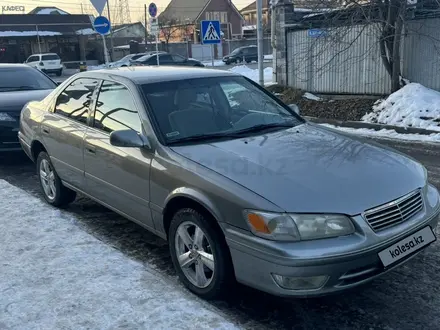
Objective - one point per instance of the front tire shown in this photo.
(200, 254)
(53, 190)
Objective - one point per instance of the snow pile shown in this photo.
(387, 134)
(56, 276)
(310, 96)
(87, 31)
(209, 63)
(96, 67)
(412, 106)
(28, 33)
(252, 74)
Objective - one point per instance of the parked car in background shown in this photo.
(48, 63)
(239, 184)
(166, 59)
(19, 84)
(125, 61)
(242, 54)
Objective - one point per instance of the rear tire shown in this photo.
(53, 190)
(205, 265)
(59, 73)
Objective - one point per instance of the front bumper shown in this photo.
(9, 135)
(255, 265)
(52, 70)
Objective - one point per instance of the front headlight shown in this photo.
(296, 227)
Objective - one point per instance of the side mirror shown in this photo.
(295, 108)
(129, 139)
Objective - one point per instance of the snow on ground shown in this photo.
(412, 106)
(87, 31)
(253, 73)
(209, 63)
(53, 275)
(28, 33)
(388, 134)
(311, 96)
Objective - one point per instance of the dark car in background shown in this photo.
(19, 84)
(242, 54)
(166, 59)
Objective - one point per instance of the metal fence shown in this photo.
(346, 60)
(421, 60)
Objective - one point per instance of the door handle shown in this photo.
(91, 150)
(46, 131)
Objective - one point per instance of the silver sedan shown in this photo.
(241, 186)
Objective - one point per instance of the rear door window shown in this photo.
(74, 102)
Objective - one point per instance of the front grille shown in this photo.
(395, 212)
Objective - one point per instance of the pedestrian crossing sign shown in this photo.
(210, 32)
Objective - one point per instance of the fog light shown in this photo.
(300, 283)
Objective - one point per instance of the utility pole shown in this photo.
(146, 32)
(260, 42)
(111, 32)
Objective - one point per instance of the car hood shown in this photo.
(14, 101)
(312, 169)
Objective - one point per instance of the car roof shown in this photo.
(151, 74)
(15, 65)
(44, 54)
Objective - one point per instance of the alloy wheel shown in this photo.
(47, 178)
(194, 254)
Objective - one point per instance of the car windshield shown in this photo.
(143, 58)
(126, 58)
(21, 79)
(215, 108)
(236, 51)
(51, 57)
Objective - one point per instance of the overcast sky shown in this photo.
(72, 6)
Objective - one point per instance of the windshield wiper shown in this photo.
(262, 127)
(233, 134)
(201, 137)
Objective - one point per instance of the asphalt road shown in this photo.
(406, 298)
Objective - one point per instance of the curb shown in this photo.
(376, 127)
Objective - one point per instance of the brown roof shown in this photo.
(181, 10)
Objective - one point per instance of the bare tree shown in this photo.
(169, 27)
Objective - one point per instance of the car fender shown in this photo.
(197, 196)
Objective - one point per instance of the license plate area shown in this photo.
(407, 246)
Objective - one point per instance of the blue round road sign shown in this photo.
(101, 25)
(152, 9)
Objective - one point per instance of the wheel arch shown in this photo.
(189, 197)
(37, 147)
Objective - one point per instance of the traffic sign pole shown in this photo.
(102, 26)
(260, 41)
(212, 55)
(152, 10)
(105, 51)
